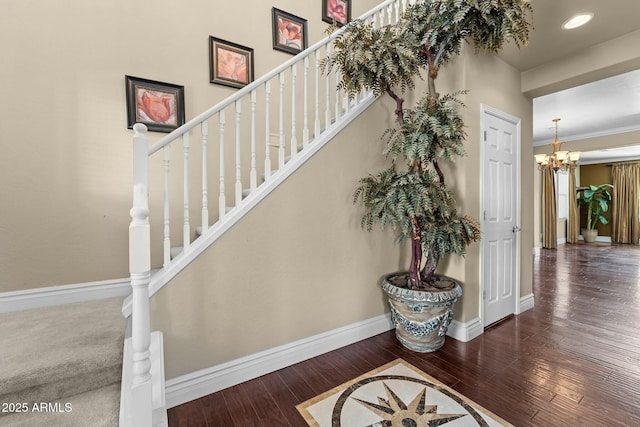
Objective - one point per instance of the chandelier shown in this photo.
(559, 160)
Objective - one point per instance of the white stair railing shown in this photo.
(263, 132)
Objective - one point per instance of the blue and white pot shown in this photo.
(421, 318)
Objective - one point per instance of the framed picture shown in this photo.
(230, 64)
(160, 106)
(336, 11)
(289, 32)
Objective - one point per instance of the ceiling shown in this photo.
(599, 108)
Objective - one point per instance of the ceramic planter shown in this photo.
(589, 236)
(421, 318)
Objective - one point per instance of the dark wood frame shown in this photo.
(163, 93)
(215, 46)
(277, 14)
(327, 15)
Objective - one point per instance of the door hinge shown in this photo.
(484, 295)
(485, 135)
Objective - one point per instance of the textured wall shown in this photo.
(65, 171)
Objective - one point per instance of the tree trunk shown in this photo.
(429, 267)
(416, 260)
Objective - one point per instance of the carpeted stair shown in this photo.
(62, 365)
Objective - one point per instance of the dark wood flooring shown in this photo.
(573, 360)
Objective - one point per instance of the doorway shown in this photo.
(501, 217)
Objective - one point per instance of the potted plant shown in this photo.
(597, 199)
(411, 195)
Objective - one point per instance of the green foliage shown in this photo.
(441, 26)
(402, 199)
(411, 195)
(597, 199)
(449, 234)
(373, 59)
(432, 130)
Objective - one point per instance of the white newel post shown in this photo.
(140, 266)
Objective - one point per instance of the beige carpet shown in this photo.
(396, 394)
(62, 365)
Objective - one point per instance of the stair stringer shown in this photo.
(162, 277)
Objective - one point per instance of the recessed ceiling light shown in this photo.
(577, 21)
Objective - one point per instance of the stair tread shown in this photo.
(98, 407)
(53, 344)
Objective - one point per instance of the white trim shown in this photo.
(64, 294)
(210, 380)
(590, 135)
(465, 331)
(561, 241)
(526, 303)
(605, 239)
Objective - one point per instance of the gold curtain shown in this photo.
(550, 229)
(624, 209)
(573, 226)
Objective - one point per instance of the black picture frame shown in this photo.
(230, 64)
(289, 32)
(336, 12)
(158, 105)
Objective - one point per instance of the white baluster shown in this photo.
(167, 199)
(253, 176)
(294, 93)
(390, 14)
(305, 130)
(281, 124)
(221, 198)
(338, 97)
(317, 102)
(186, 228)
(140, 269)
(327, 110)
(205, 176)
(267, 127)
(238, 154)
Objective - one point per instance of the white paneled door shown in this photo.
(500, 231)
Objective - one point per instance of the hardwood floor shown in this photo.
(573, 360)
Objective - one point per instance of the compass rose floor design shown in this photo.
(396, 394)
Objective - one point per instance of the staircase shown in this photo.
(229, 158)
(62, 365)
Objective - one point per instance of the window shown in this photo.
(562, 195)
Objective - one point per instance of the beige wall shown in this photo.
(296, 265)
(67, 177)
(300, 259)
(66, 163)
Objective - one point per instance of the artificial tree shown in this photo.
(411, 195)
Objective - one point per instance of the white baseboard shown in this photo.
(465, 331)
(605, 239)
(526, 303)
(210, 380)
(65, 294)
